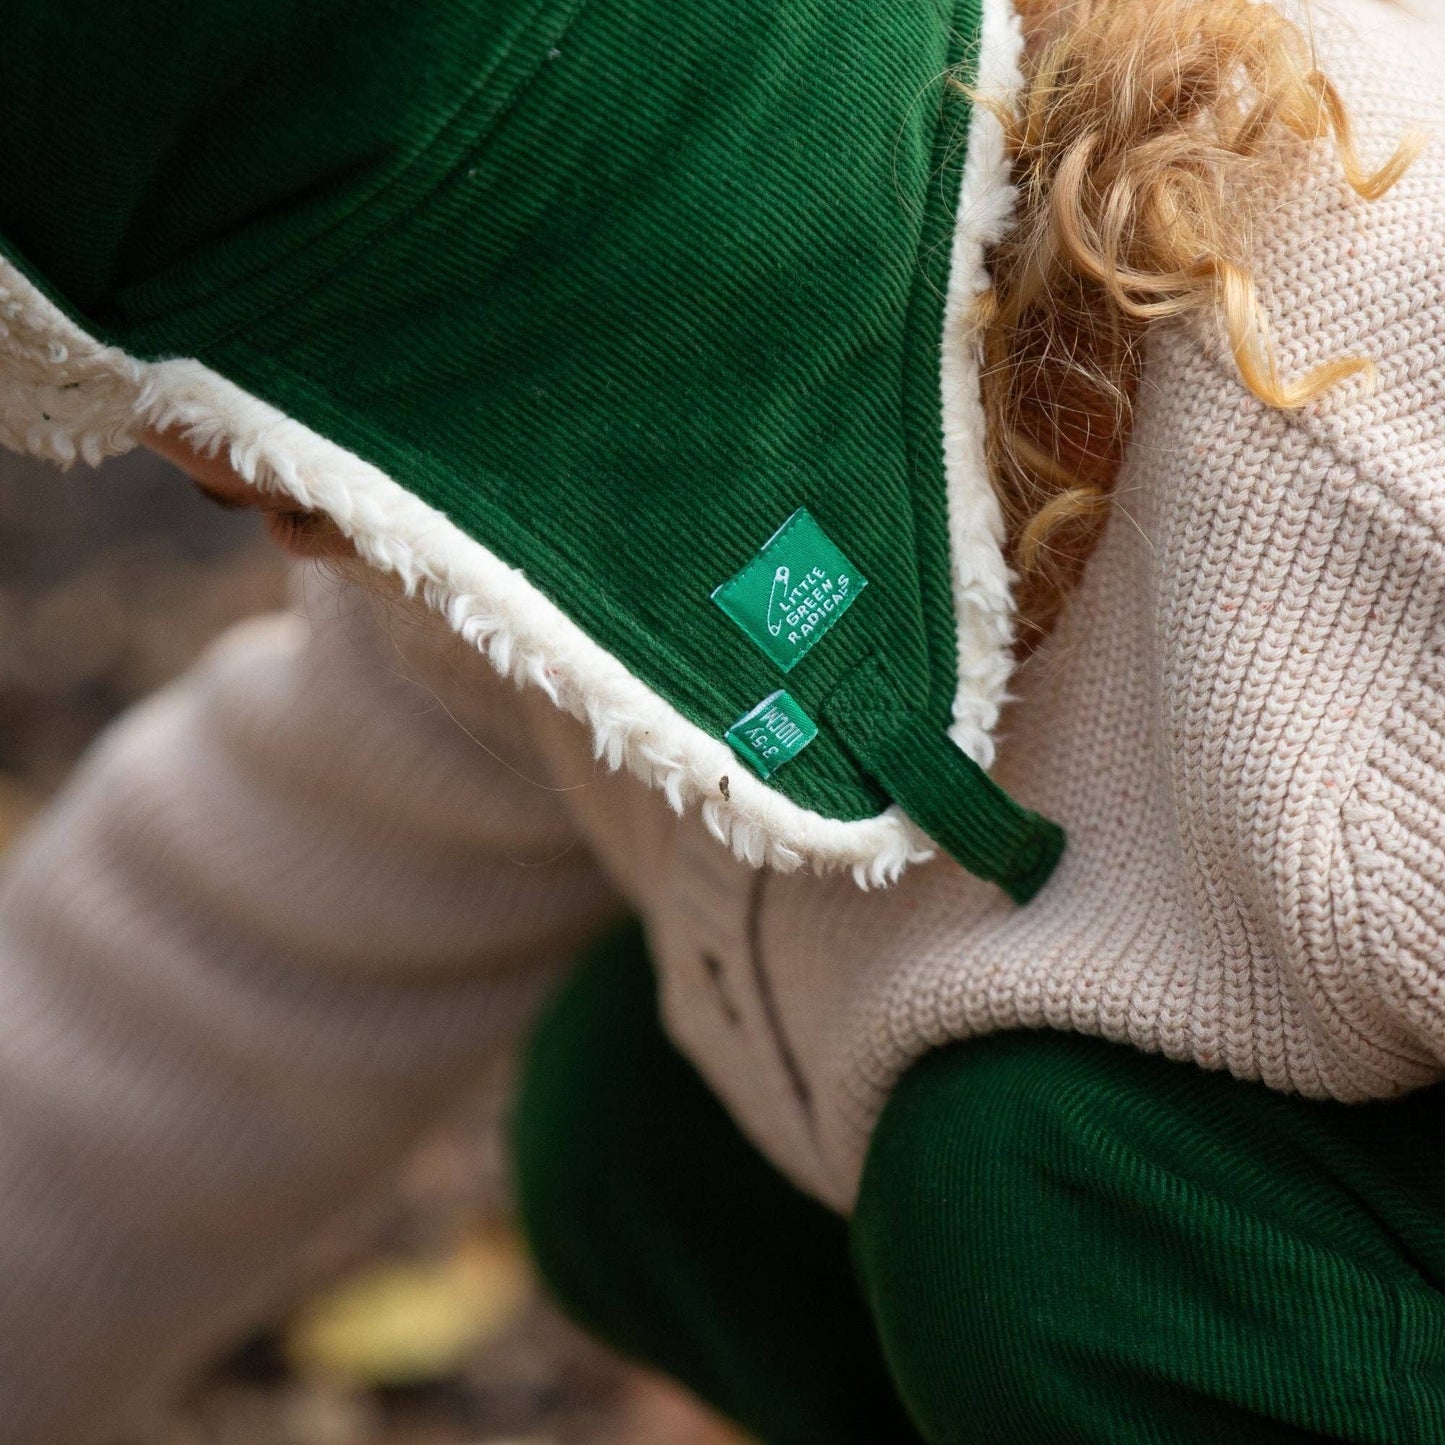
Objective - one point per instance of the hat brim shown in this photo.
(67, 395)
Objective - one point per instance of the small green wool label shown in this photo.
(792, 592)
(773, 733)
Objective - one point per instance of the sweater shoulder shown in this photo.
(1342, 276)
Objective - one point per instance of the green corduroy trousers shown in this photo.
(1057, 1239)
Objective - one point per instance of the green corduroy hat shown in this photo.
(627, 332)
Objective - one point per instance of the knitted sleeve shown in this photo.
(1302, 701)
(282, 914)
(1389, 895)
(1304, 581)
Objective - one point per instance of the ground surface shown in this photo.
(424, 1326)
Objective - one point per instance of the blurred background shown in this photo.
(422, 1326)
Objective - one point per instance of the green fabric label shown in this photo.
(792, 592)
(773, 733)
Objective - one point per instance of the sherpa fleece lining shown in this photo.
(63, 394)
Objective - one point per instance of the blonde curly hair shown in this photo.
(1146, 141)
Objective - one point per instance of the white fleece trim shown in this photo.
(63, 395)
(982, 600)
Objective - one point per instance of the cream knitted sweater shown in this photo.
(290, 904)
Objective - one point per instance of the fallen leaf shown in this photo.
(401, 1322)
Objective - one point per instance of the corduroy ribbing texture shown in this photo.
(992, 836)
(615, 287)
(1068, 1242)
(1241, 721)
(665, 1233)
(1060, 1241)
